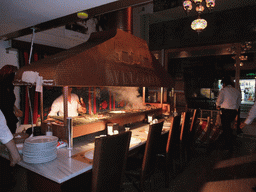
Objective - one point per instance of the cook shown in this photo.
(75, 106)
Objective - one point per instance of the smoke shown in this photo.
(130, 95)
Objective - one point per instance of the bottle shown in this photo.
(38, 121)
(49, 129)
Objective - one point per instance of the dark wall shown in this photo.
(231, 26)
(197, 73)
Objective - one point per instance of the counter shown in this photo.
(64, 168)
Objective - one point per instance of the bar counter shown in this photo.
(64, 168)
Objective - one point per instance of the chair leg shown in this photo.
(166, 178)
(142, 185)
(138, 188)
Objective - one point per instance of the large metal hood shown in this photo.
(108, 58)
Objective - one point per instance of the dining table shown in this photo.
(73, 165)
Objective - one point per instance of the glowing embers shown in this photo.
(199, 25)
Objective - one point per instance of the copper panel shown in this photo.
(109, 58)
(88, 128)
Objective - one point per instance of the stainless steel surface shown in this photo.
(70, 133)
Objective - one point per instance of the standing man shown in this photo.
(228, 102)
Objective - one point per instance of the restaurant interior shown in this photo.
(149, 74)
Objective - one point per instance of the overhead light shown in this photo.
(210, 4)
(241, 64)
(242, 57)
(82, 15)
(198, 24)
(199, 4)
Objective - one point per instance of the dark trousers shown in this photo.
(227, 117)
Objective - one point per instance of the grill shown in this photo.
(111, 58)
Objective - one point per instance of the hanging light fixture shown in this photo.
(82, 15)
(210, 4)
(187, 5)
(198, 24)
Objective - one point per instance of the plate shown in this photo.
(40, 149)
(40, 153)
(39, 160)
(89, 154)
(41, 139)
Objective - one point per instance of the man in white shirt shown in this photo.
(228, 102)
(6, 138)
(250, 117)
(74, 105)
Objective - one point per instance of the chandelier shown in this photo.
(199, 24)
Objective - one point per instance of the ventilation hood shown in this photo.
(108, 58)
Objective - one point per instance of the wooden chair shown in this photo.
(110, 155)
(184, 137)
(149, 158)
(195, 114)
(193, 126)
(172, 146)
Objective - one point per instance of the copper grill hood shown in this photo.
(108, 58)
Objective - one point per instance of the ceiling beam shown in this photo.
(100, 10)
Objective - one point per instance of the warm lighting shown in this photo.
(199, 9)
(210, 3)
(199, 25)
(241, 64)
(82, 15)
(156, 56)
(242, 57)
(197, 1)
(187, 5)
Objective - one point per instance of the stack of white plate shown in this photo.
(40, 149)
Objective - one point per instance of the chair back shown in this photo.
(151, 149)
(172, 148)
(185, 128)
(110, 155)
(193, 124)
(173, 138)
